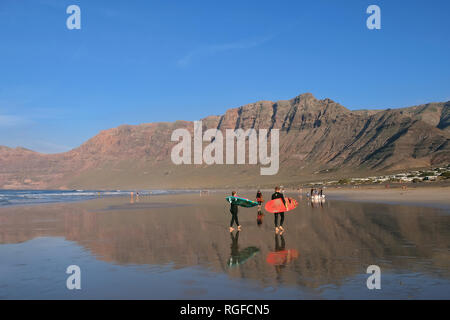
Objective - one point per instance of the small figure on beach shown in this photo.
(279, 195)
(259, 199)
(260, 216)
(234, 213)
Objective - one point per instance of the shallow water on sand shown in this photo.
(178, 247)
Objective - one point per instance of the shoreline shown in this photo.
(426, 196)
(77, 196)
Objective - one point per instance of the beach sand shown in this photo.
(179, 247)
(417, 196)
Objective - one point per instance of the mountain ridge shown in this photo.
(315, 136)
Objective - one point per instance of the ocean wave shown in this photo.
(18, 197)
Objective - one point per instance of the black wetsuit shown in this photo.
(279, 195)
(234, 213)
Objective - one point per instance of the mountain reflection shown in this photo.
(319, 246)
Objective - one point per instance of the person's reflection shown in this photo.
(237, 256)
(317, 203)
(234, 257)
(281, 257)
(259, 218)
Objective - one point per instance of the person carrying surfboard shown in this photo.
(234, 213)
(279, 195)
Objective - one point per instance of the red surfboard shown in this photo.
(278, 258)
(277, 205)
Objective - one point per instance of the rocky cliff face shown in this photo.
(318, 139)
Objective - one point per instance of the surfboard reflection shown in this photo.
(237, 256)
(281, 256)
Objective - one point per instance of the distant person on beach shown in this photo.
(234, 213)
(279, 195)
(259, 199)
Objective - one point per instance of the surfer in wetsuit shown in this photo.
(234, 213)
(279, 195)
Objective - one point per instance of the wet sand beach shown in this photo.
(179, 247)
(421, 196)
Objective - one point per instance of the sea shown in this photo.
(28, 197)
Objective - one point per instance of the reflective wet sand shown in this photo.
(179, 247)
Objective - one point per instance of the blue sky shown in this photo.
(145, 61)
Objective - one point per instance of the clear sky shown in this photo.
(144, 61)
